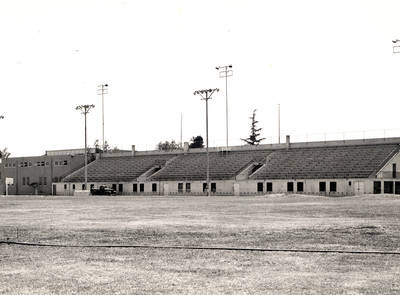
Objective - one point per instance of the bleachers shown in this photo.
(118, 169)
(223, 166)
(325, 162)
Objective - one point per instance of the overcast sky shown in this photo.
(329, 64)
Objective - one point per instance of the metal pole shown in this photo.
(279, 123)
(102, 112)
(85, 154)
(181, 131)
(226, 94)
(208, 155)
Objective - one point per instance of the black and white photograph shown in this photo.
(199, 147)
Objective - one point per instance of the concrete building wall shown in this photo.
(387, 170)
(35, 175)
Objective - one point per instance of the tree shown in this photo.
(168, 146)
(4, 154)
(197, 142)
(254, 132)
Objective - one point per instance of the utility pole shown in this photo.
(102, 90)
(181, 130)
(206, 95)
(225, 72)
(85, 110)
(279, 123)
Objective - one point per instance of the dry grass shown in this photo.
(291, 222)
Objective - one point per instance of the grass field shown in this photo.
(369, 223)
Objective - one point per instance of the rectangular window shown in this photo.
(120, 187)
(73, 186)
(65, 162)
(213, 187)
(83, 186)
(44, 180)
(397, 187)
(388, 187)
(154, 187)
(300, 186)
(322, 186)
(23, 180)
(332, 186)
(188, 188)
(55, 163)
(290, 186)
(40, 180)
(65, 186)
(134, 188)
(204, 187)
(141, 187)
(28, 182)
(260, 187)
(114, 186)
(394, 170)
(180, 187)
(377, 187)
(269, 186)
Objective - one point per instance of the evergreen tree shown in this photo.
(254, 132)
(197, 142)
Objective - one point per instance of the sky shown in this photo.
(329, 64)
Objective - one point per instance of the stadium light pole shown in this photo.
(206, 94)
(85, 110)
(101, 90)
(225, 72)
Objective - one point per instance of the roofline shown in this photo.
(274, 146)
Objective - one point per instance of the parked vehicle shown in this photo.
(103, 190)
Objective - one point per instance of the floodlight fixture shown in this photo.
(1, 117)
(396, 46)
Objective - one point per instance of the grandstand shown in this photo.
(329, 168)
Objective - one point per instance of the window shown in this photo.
(397, 187)
(388, 187)
(114, 186)
(65, 162)
(40, 180)
(180, 187)
(204, 187)
(141, 186)
(83, 186)
(23, 180)
(56, 163)
(394, 170)
(188, 188)
(154, 187)
(332, 186)
(30, 164)
(65, 186)
(73, 186)
(213, 187)
(260, 187)
(290, 186)
(91, 186)
(322, 186)
(349, 183)
(44, 180)
(28, 181)
(300, 186)
(377, 187)
(120, 187)
(134, 188)
(269, 186)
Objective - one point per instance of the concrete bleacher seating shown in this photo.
(118, 169)
(325, 162)
(223, 166)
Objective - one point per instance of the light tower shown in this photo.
(225, 72)
(102, 90)
(206, 94)
(85, 110)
